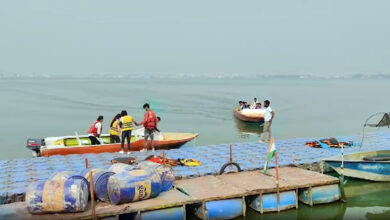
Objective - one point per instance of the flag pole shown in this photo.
(272, 153)
(266, 159)
(277, 180)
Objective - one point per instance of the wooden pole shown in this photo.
(310, 196)
(261, 202)
(86, 163)
(341, 178)
(163, 157)
(92, 195)
(277, 180)
(243, 206)
(204, 210)
(231, 156)
(342, 160)
(184, 211)
(138, 215)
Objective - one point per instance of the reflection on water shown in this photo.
(319, 212)
(375, 212)
(247, 129)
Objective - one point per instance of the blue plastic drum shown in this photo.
(165, 172)
(100, 180)
(175, 213)
(63, 193)
(132, 186)
(120, 167)
(221, 209)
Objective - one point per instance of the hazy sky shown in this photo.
(196, 37)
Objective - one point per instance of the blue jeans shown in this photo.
(127, 135)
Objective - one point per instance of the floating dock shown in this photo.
(200, 191)
(16, 174)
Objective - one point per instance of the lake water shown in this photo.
(42, 107)
(304, 107)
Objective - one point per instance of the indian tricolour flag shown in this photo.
(270, 154)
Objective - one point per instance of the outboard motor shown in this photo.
(35, 146)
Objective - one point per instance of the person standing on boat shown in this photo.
(149, 122)
(268, 116)
(115, 129)
(254, 103)
(258, 105)
(241, 105)
(126, 124)
(96, 130)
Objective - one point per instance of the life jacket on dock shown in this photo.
(127, 123)
(93, 129)
(189, 162)
(160, 160)
(328, 143)
(114, 128)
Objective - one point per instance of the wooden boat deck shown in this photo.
(194, 191)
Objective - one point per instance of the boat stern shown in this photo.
(35, 146)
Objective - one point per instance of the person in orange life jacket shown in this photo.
(149, 122)
(115, 129)
(96, 130)
(126, 124)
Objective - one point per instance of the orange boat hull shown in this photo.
(111, 148)
(245, 118)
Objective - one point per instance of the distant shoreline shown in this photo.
(191, 76)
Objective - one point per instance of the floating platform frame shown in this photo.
(201, 190)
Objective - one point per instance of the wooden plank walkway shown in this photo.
(196, 190)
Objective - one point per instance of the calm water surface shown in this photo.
(42, 107)
(304, 107)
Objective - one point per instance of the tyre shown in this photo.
(222, 170)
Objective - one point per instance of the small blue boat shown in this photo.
(374, 165)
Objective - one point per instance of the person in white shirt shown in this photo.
(268, 116)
